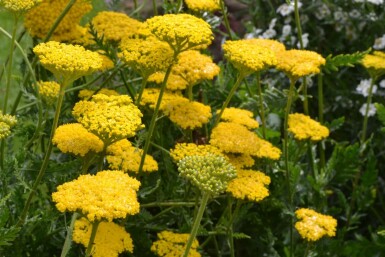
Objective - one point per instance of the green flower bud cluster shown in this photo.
(210, 172)
(6, 123)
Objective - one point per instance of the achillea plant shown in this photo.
(303, 128)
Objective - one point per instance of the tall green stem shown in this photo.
(321, 118)
(197, 222)
(298, 23)
(67, 243)
(368, 102)
(225, 18)
(95, 226)
(261, 107)
(141, 90)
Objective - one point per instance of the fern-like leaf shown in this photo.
(333, 63)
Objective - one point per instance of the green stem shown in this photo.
(179, 6)
(166, 204)
(307, 249)
(225, 18)
(141, 90)
(368, 102)
(68, 241)
(160, 148)
(298, 23)
(154, 7)
(95, 226)
(197, 221)
(261, 107)
(321, 144)
(305, 97)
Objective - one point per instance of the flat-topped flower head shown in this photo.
(210, 173)
(174, 244)
(240, 116)
(203, 5)
(299, 63)
(113, 26)
(74, 138)
(270, 44)
(19, 6)
(123, 155)
(182, 150)
(108, 195)
(6, 123)
(248, 57)
(49, 91)
(250, 185)
(312, 225)
(374, 64)
(181, 31)
(304, 128)
(150, 97)
(67, 62)
(174, 82)
(110, 240)
(86, 94)
(111, 118)
(240, 161)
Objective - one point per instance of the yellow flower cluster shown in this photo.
(375, 63)
(203, 5)
(74, 138)
(19, 5)
(6, 123)
(111, 118)
(107, 63)
(298, 63)
(235, 138)
(39, 20)
(114, 26)
(150, 97)
(110, 240)
(49, 91)
(67, 62)
(181, 31)
(173, 244)
(270, 44)
(174, 82)
(247, 56)
(312, 225)
(240, 116)
(86, 94)
(303, 128)
(108, 195)
(240, 161)
(182, 150)
(249, 184)
(123, 156)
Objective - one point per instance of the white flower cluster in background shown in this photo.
(363, 87)
(371, 112)
(376, 2)
(379, 43)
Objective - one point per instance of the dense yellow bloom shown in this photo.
(203, 5)
(235, 138)
(249, 184)
(273, 45)
(303, 128)
(86, 94)
(49, 91)
(114, 26)
(181, 31)
(174, 82)
(247, 56)
(39, 20)
(19, 5)
(110, 240)
(239, 116)
(187, 114)
(107, 63)
(74, 138)
(375, 63)
(67, 62)
(312, 225)
(182, 150)
(108, 195)
(6, 123)
(150, 97)
(240, 161)
(171, 244)
(299, 63)
(111, 118)
(123, 155)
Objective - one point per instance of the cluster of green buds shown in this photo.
(6, 123)
(210, 173)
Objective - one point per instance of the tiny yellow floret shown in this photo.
(375, 63)
(304, 128)
(49, 91)
(6, 123)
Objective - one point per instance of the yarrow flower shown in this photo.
(174, 82)
(210, 173)
(86, 94)
(110, 240)
(123, 155)
(240, 161)
(150, 97)
(173, 244)
(203, 5)
(270, 44)
(74, 138)
(249, 184)
(312, 225)
(182, 150)
(18, 6)
(240, 116)
(303, 128)
(374, 64)
(6, 123)
(49, 91)
(108, 195)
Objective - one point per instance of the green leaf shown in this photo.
(380, 112)
(336, 123)
(343, 60)
(8, 235)
(241, 236)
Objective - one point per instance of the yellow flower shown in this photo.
(235, 138)
(303, 128)
(86, 94)
(375, 63)
(114, 26)
(107, 63)
(174, 82)
(67, 62)
(249, 184)
(39, 20)
(240, 161)
(49, 91)
(203, 5)
(312, 225)
(123, 156)
(248, 57)
(240, 116)
(108, 195)
(182, 150)
(181, 31)
(110, 240)
(270, 44)
(6, 123)
(173, 244)
(150, 97)
(19, 5)
(299, 63)
(74, 138)
(111, 118)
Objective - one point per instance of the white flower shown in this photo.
(377, 2)
(354, 14)
(272, 23)
(305, 40)
(286, 30)
(270, 33)
(363, 87)
(286, 9)
(322, 12)
(379, 43)
(382, 83)
(371, 112)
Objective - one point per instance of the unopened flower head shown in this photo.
(49, 91)
(181, 31)
(108, 195)
(19, 6)
(210, 173)
(375, 64)
(312, 225)
(304, 128)
(123, 155)
(174, 244)
(182, 150)
(74, 138)
(86, 94)
(110, 240)
(67, 62)
(6, 123)
(203, 5)
(240, 116)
